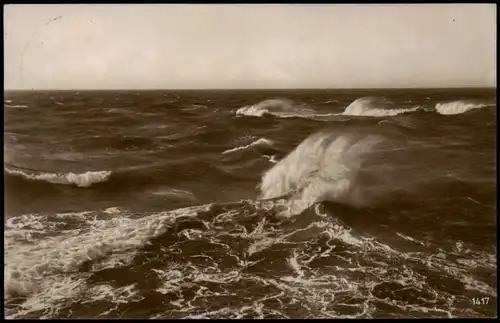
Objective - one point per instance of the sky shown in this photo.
(167, 46)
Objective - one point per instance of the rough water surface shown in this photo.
(250, 204)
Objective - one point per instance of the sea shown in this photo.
(250, 203)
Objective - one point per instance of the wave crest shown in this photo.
(458, 107)
(81, 180)
(276, 107)
(375, 107)
(15, 106)
(323, 167)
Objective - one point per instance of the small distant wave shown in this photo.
(81, 180)
(458, 107)
(375, 107)
(15, 106)
(259, 142)
(276, 107)
(7, 101)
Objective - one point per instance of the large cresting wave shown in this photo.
(324, 167)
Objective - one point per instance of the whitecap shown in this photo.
(16, 106)
(276, 107)
(259, 142)
(375, 107)
(79, 179)
(458, 107)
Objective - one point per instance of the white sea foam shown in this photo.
(458, 107)
(259, 142)
(15, 106)
(112, 210)
(49, 268)
(272, 159)
(45, 272)
(125, 294)
(81, 180)
(375, 107)
(49, 294)
(408, 238)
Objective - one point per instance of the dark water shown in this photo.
(250, 204)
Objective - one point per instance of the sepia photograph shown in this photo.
(250, 161)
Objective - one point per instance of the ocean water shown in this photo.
(250, 204)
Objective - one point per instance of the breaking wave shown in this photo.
(276, 107)
(324, 167)
(81, 180)
(459, 107)
(375, 107)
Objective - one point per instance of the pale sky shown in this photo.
(165, 46)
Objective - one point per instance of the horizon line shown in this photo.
(251, 89)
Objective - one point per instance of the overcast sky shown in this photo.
(249, 46)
